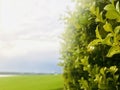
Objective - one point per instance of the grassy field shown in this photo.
(32, 82)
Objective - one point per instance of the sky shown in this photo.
(29, 34)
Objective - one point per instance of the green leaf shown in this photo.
(108, 27)
(102, 70)
(116, 77)
(84, 61)
(93, 43)
(97, 11)
(118, 19)
(107, 39)
(87, 68)
(101, 18)
(92, 9)
(84, 84)
(117, 30)
(99, 15)
(112, 15)
(112, 1)
(113, 69)
(97, 78)
(109, 7)
(97, 33)
(112, 12)
(117, 6)
(113, 50)
(103, 87)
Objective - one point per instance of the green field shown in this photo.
(32, 82)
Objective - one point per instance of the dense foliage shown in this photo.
(90, 50)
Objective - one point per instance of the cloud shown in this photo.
(21, 47)
(30, 27)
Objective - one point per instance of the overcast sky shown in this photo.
(29, 34)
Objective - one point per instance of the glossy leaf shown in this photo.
(117, 6)
(108, 27)
(103, 70)
(112, 15)
(113, 50)
(92, 44)
(97, 33)
(92, 9)
(109, 7)
(113, 69)
(112, 12)
(117, 30)
(107, 39)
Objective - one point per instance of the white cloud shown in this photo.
(24, 47)
(30, 26)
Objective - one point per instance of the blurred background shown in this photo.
(29, 35)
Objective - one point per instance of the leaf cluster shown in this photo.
(90, 50)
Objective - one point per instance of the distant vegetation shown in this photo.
(32, 82)
(27, 73)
